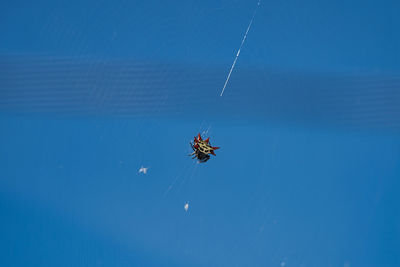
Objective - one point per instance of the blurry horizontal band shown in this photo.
(129, 88)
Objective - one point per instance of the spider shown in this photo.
(202, 149)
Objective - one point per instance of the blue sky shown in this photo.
(294, 195)
(300, 35)
(307, 173)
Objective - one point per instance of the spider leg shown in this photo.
(192, 146)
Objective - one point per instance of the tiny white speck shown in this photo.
(186, 207)
(283, 263)
(143, 169)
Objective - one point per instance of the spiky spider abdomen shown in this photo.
(202, 149)
(202, 157)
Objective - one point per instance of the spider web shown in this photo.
(308, 166)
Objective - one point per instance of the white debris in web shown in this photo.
(186, 207)
(143, 170)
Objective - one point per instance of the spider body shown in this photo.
(202, 149)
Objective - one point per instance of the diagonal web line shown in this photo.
(241, 45)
